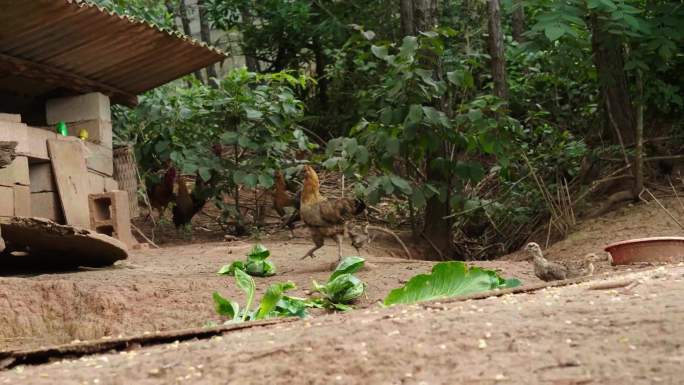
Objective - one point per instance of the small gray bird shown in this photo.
(553, 271)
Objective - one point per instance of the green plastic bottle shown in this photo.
(62, 129)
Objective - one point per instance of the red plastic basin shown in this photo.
(657, 249)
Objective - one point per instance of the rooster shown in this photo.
(323, 217)
(161, 193)
(188, 204)
(282, 200)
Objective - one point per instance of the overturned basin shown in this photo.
(656, 249)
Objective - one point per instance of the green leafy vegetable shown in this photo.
(448, 279)
(246, 283)
(342, 287)
(273, 304)
(256, 264)
(273, 295)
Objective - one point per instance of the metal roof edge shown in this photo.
(135, 20)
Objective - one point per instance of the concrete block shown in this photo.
(110, 184)
(41, 178)
(110, 215)
(78, 108)
(37, 142)
(99, 131)
(47, 205)
(97, 183)
(100, 159)
(17, 132)
(22, 201)
(16, 173)
(10, 118)
(6, 201)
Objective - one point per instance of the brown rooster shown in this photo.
(161, 193)
(323, 217)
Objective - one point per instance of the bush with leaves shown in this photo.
(257, 117)
(255, 265)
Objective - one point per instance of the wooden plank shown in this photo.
(71, 177)
(12, 358)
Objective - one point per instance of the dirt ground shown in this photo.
(567, 335)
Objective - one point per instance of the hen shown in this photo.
(161, 193)
(553, 271)
(323, 217)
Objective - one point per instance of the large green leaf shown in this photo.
(448, 279)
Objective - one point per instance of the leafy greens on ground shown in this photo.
(343, 287)
(273, 304)
(257, 263)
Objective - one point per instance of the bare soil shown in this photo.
(566, 335)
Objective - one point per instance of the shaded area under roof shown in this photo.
(51, 48)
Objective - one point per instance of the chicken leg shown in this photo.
(319, 241)
(338, 239)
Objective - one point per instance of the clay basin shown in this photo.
(657, 249)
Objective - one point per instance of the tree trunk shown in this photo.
(185, 21)
(639, 138)
(518, 21)
(424, 15)
(320, 74)
(496, 49)
(251, 62)
(205, 33)
(437, 229)
(406, 11)
(609, 62)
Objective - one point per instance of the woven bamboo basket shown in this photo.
(126, 173)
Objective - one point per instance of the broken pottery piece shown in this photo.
(51, 244)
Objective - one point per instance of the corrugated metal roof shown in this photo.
(72, 44)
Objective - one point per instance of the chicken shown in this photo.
(161, 193)
(323, 217)
(552, 271)
(189, 204)
(282, 200)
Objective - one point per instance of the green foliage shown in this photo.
(256, 116)
(448, 279)
(408, 121)
(273, 304)
(343, 287)
(256, 264)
